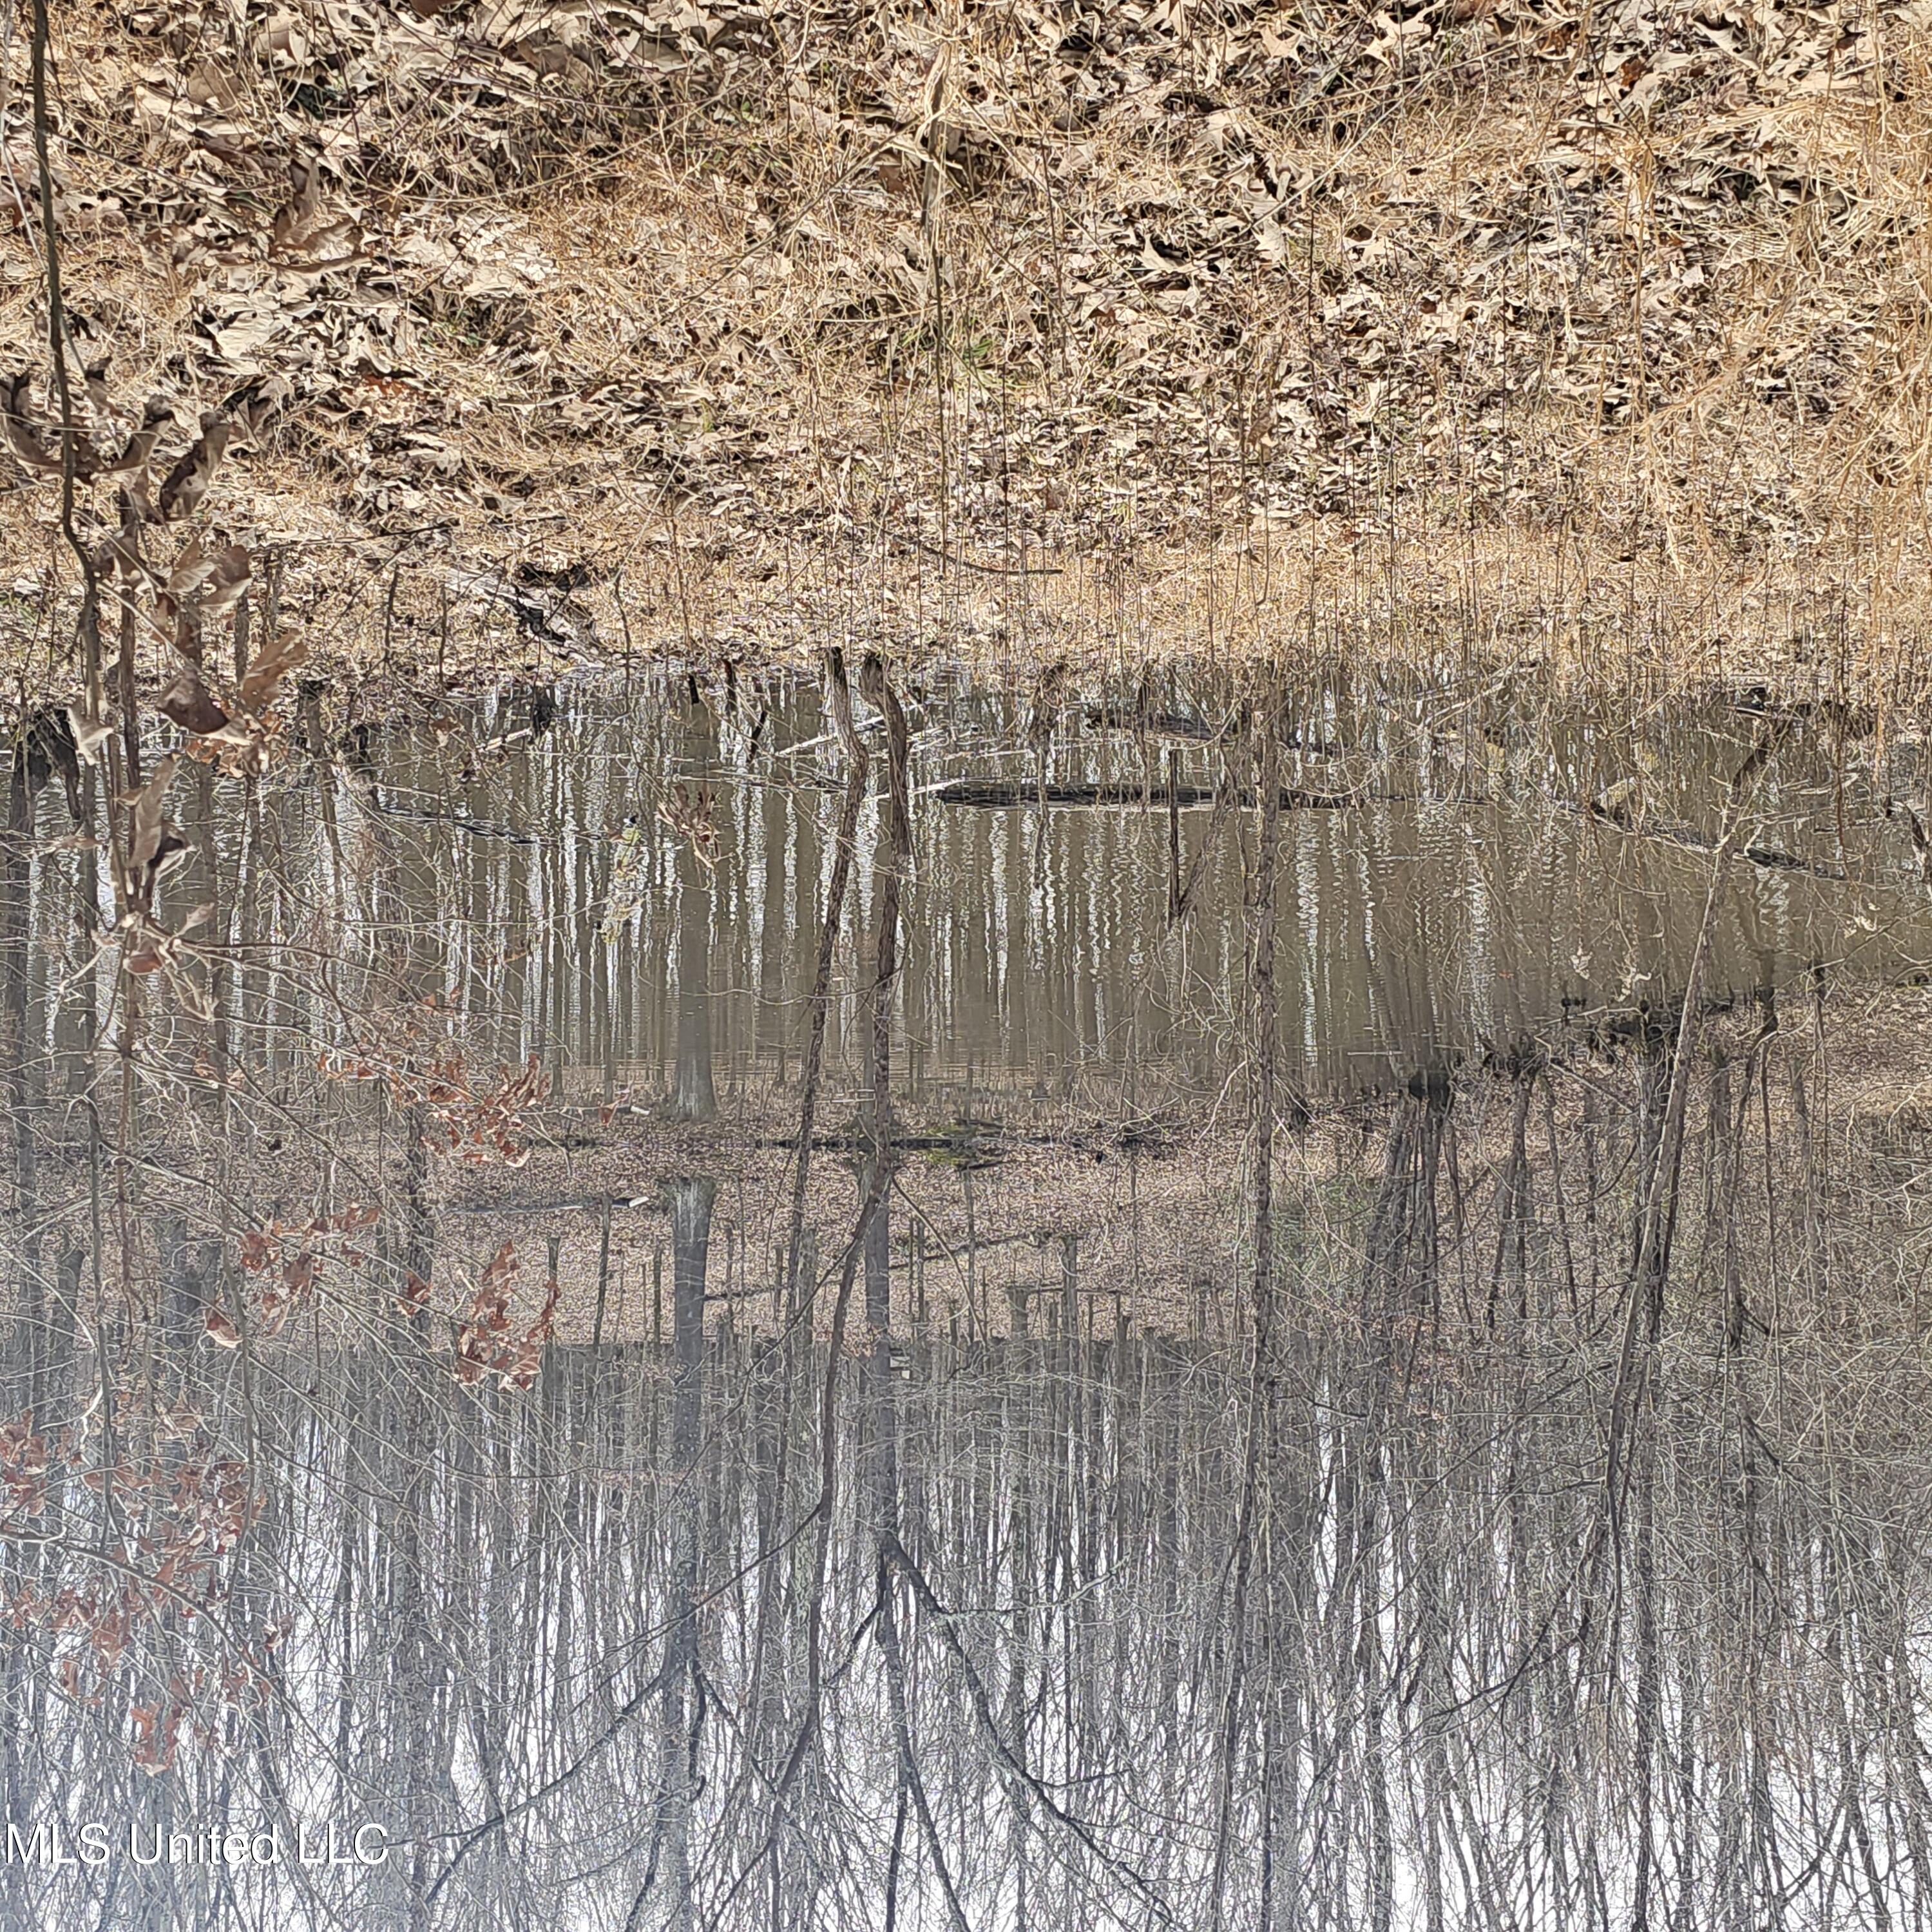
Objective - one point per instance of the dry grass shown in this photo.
(1596, 339)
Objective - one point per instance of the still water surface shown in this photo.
(1471, 896)
(1511, 1514)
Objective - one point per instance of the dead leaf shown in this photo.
(146, 837)
(88, 732)
(186, 483)
(222, 1332)
(23, 438)
(140, 445)
(273, 663)
(187, 703)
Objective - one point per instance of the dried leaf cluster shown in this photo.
(184, 1516)
(489, 1341)
(471, 1119)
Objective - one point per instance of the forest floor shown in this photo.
(1476, 333)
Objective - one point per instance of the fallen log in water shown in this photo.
(1005, 794)
(1770, 857)
(1001, 793)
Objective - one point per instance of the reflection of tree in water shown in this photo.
(1528, 1533)
(599, 1597)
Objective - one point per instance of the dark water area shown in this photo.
(627, 1307)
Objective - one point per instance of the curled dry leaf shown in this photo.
(89, 732)
(186, 483)
(23, 438)
(222, 1332)
(149, 829)
(134, 453)
(226, 580)
(187, 703)
(273, 662)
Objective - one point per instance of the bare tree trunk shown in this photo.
(693, 1097)
(840, 696)
(894, 853)
(690, 1245)
(16, 1054)
(1264, 1025)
